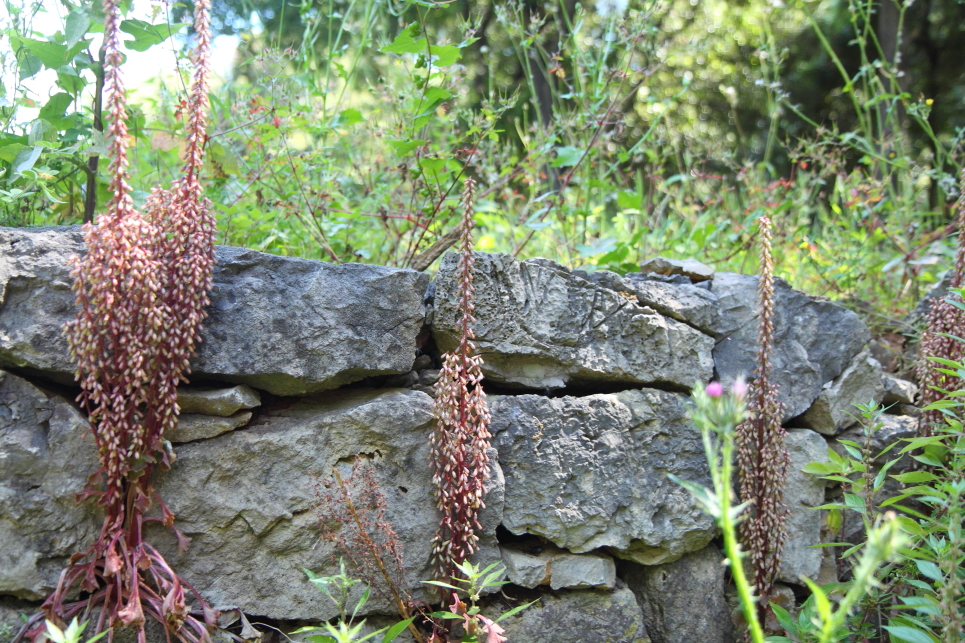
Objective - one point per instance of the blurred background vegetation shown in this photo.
(600, 134)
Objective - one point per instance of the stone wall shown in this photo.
(305, 365)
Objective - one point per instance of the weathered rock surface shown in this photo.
(689, 304)
(193, 426)
(690, 268)
(541, 326)
(44, 464)
(814, 339)
(223, 402)
(834, 410)
(591, 472)
(249, 548)
(288, 326)
(802, 494)
(558, 568)
(588, 616)
(246, 498)
(683, 601)
(898, 391)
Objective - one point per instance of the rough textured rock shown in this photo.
(223, 402)
(192, 426)
(246, 498)
(683, 601)
(288, 326)
(590, 472)
(803, 492)
(44, 463)
(834, 410)
(815, 340)
(541, 326)
(689, 304)
(690, 268)
(589, 616)
(558, 568)
(11, 621)
(249, 548)
(898, 391)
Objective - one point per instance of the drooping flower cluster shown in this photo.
(943, 320)
(762, 458)
(460, 464)
(141, 289)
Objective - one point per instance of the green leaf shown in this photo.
(905, 634)
(396, 629)
(914, 477)
(446, 615)
(513, 612)
(445, 55)
(29, 66)
(147, 35)
(55, 108)
(407, 42)
(347, 117)
(834, 520)
(50, 54)
(929, 570)
(320, 638)
(77, 24)
(24, 161)
(818, 469)
(9, 152)
(404, 147)
(567, 156)
(910, 526)
(784, 618)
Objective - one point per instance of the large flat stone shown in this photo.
(591, 472)
(588, 616)
(802, 494)
(814, 339)
(288, 326)
(246, 498)
(44, 463)
(683, 601)
(834, 409)
(540, 326)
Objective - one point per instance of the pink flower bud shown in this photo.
(740, 389)
(714, 389)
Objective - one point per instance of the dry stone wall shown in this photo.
(305, 366)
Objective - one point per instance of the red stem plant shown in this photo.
(351, 514)
(945, 322)
(460, 464)
(761, 455)
(141, 289)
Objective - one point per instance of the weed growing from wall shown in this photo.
(141, 289)
(945, 322)
(761, 456)
(460, 465)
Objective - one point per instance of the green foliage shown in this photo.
(338, 589)
(598, 137)
(73, 633)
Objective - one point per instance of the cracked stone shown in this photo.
(223, 402)
(558, 568)
(814, 339)
(834, 409)
(280, 324)
(192, 426)
(540, 326)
